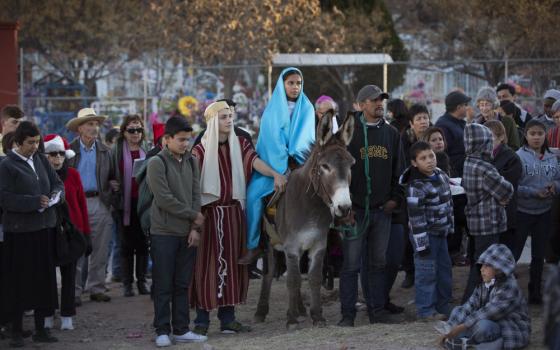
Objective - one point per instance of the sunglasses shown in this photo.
(54, 154)
(135, 131)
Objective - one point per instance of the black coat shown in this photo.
(20, 192)
(453, 130)
(509, 166)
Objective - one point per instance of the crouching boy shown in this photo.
(496, 313)
(430, 212)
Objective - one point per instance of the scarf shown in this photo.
(281, 135)
(127, 179)
(210, 174)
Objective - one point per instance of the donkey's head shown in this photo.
(330, 165)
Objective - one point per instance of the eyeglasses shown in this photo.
(54, 154)
(135, 131)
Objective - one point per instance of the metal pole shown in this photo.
(21, 79)
(145, 76)
(506, 73)
(385, 79)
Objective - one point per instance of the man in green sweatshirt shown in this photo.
(174, 179)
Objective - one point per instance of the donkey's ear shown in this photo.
(346, 132)
(324, 129)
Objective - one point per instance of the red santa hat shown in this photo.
(56, 143)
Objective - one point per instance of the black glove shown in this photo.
(89, 246)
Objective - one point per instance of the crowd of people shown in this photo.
(468, 189)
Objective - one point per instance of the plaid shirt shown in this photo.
(502, 303)
(484, 186)
(429, 204)
(552, 304)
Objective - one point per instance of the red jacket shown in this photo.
(76, 199)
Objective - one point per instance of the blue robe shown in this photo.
(280, 137)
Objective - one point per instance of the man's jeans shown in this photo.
(226, 315)
(486, 333)
(366, 253)
(433, 282)
(394, 257)
(171, 274)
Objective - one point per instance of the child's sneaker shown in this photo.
(201, 330)
(163, 341)
(235, 327)
(190, 337)
(66, 323)
(49, 321)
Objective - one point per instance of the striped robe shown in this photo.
(218, 279)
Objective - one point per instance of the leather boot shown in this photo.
(127, 266)
(141, 267)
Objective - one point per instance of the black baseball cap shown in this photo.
(454, 99)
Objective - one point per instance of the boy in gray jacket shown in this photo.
(176, 220)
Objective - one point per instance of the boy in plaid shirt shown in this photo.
(430, 215)
(487, 195)
(496, 313)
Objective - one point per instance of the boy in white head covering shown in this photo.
(227, 162)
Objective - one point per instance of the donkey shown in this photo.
(316, 193)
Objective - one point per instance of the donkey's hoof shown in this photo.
(302, 312)
(320, 323)
(259, 318)
(292, 326)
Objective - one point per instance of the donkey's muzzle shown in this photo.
(344, 210)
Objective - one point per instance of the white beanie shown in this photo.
(55, 143)
(553, 94)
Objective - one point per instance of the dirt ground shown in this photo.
(125, 323)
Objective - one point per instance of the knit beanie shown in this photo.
(488, 94)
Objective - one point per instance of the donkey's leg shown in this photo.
(315, 277)
(294, 286)
(301, 307)
(266, 284)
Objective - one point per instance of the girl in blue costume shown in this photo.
(287, 131)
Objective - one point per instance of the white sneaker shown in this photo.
(190, 337)
(66, 323)
(163, 341)
(49, 321)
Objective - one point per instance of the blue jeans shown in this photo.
(433, 282)
(484, 331)
(394, 256)
(115, 251)
(171, 274)
(366, 253)
(226, 314)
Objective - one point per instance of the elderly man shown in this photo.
(93, 162)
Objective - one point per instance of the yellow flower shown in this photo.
(186, 105)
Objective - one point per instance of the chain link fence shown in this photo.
(157, 93)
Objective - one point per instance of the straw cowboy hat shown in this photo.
(84, 116)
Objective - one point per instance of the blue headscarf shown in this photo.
(280, 137)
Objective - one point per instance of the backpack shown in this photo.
(145, 194)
